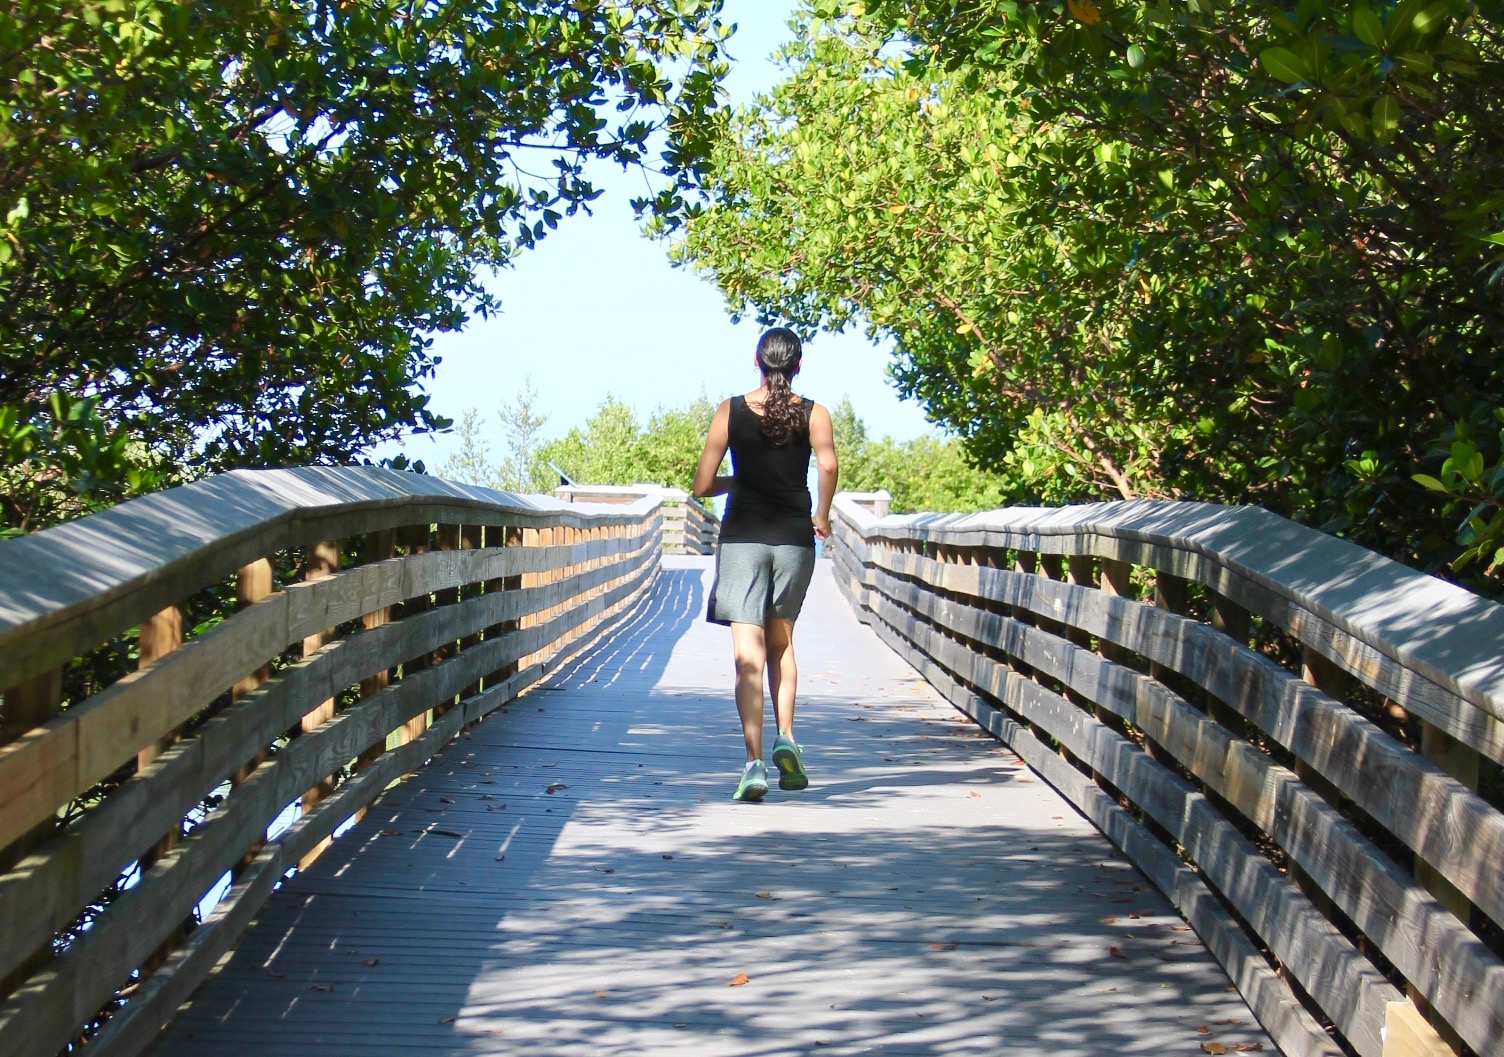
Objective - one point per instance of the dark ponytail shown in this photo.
(778, 356)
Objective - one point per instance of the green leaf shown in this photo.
(1284, 64)
(1386, 118)
(1429, 482)
(1136, 56)
(1368, 28)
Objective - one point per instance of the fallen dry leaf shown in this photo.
(738, 980)
(943, 946)
(446, 799)
(667, 856)
(1203, 1029)
(448, 1020)
(765, 894)
(371, 963)
(602, 994)
(604, 869)
(975, 795)
(1116, 952)
(274, 974)
(388, 833)
(554, 787)
(1246, 1047)
(321, 987)
(1213, 1047)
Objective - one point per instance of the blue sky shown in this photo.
(596, 310)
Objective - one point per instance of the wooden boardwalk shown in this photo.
(571, 878)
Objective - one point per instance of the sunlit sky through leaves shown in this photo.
(596, 310)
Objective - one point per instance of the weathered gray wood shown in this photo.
(1000, 949)
(70, 587)
(1327, 965)
(53, 885)
(1434, 647)
(1444, 822)
(1435, 951)
(1297, 1033)
(74, 751)
(44, 1013)
(132, 1029)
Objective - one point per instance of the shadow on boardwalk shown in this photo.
(570, 878)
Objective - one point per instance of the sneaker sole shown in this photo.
(750, 795)
(791, 774)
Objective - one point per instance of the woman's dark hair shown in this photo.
(778, 356)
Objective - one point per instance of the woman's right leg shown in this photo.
(749, 649)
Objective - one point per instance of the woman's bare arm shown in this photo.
(716, 442)
(822, 440)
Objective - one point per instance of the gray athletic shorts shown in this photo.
(756, 580)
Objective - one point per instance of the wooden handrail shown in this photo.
(398, 654)
(689, 525)
(1179, 732)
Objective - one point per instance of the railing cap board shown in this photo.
(103, 573)
(1439, 630)
(615, 493)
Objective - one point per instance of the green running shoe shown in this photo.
(790, 764)
(754, 784)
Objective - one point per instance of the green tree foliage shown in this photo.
(614, 448)
(1245, 252)
(226, 226)
(924, 473)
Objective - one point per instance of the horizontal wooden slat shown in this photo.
(69, 588)
(1297, 1033)
(45, 1012)
(56, 762)
(1435, 951)
(1447, 824)
(1434, 647)
(1327, 965)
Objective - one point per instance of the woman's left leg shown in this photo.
(783, 672)
(783, 680)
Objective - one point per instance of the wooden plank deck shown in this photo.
(925, 896)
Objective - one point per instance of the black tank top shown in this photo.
(769, 501)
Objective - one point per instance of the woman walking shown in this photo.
(766, 553)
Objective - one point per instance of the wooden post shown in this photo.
(379, 547)
(448, 537)
(1462, 763)
(160, 634)
(531, 537)
(509, 536)
(1321, 673)
(29, 705)
(472, 537)
(253, 582)
(1117, 579)
(1080, 570)
(415, 541)
(1237, 624)
(1407, 1034)
(1170, 593)
(320, 561)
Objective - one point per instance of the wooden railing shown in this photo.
(689, 526)
(349, 623)
(1296, 740)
